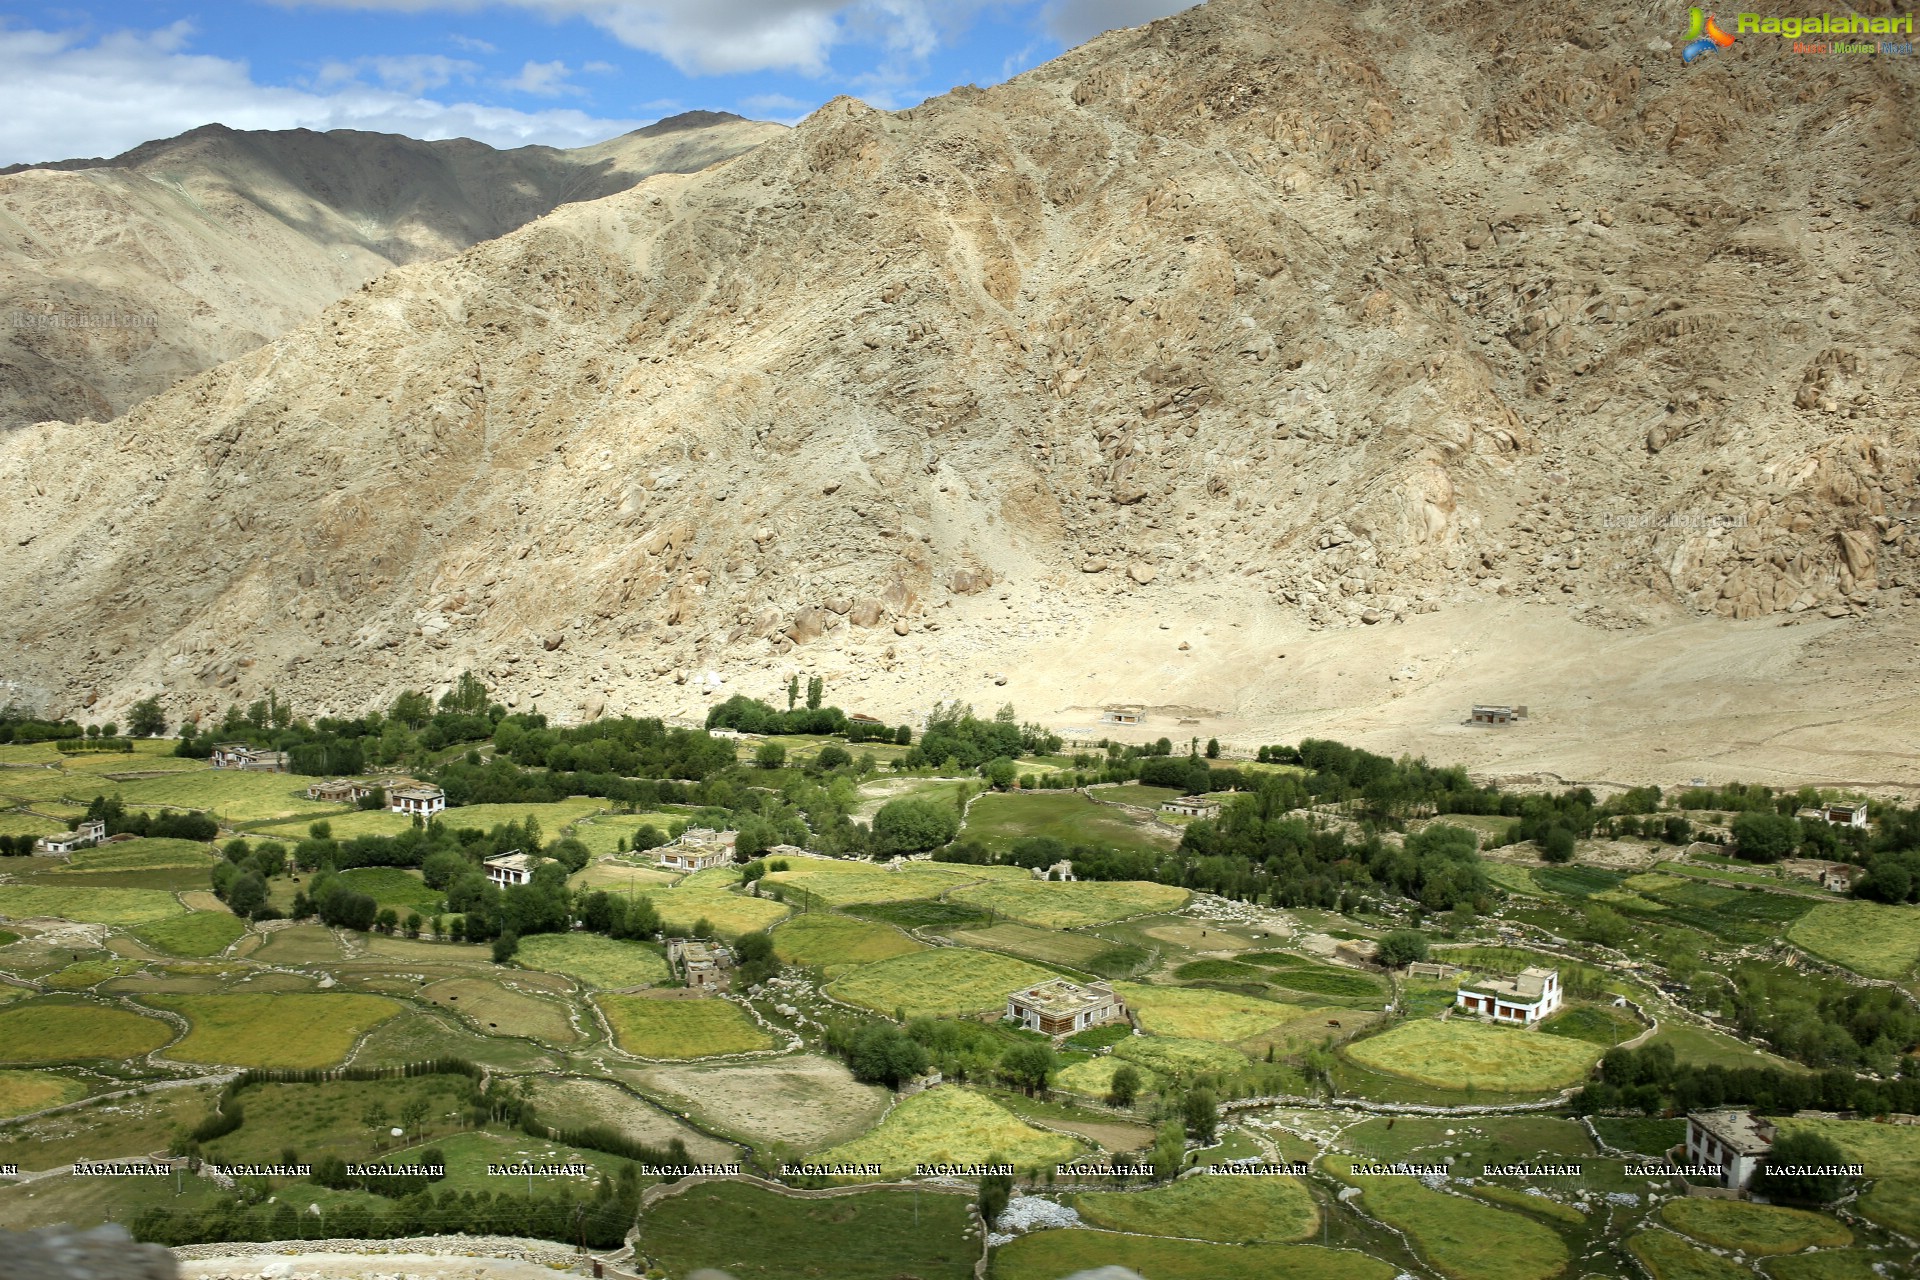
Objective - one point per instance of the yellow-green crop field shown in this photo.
(496, 1009)
(622, 878)
(141, 855)
(708, 895)
(43, 1031)
(1230, 1210)
(1198, 1013)
(602, 963)
(235, 795)
(701, 1028)
(1458, 1053)
(1753, 1228)
(842, 882)
(1891, 1154)
(27, 824)
(1094, 1077)
(345, 824)
(604, 834)
(1073, 904)
(291, 1029)
(1047, 1255)
(1462, 1238)
(1179, 1059)
(836, 942)
(1872, 939)
(952, 1125)
(24, 1091)
(90, 973)
(87, 905)
(941, 980)
(1668, 1257)
(552, 816)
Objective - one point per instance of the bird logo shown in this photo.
(1704, 35)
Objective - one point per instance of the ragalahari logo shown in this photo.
(1704, 35)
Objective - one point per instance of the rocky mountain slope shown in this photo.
(119, 277)
(1282, 316)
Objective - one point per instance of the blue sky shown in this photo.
(95, 79)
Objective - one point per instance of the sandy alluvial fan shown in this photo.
(1343, 316)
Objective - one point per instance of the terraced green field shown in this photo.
(289, 1029)
(601, 963)
(943, 980)
(658, 1028)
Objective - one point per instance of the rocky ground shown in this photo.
(1456, 352)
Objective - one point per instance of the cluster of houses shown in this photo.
(238, 755)
(404, 795)
(703, 966)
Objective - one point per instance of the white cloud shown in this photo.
(472, 44)
(71, 95)
(413, 73)
(543, 79)
(1073, 22)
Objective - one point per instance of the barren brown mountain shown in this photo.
(119, 277)
(1288, 367)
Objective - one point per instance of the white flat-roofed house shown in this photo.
(1193, 806)
(228, 755)
(1534, 995)
(419, 800)
(238, 755)
(699, 849)
(1847, 814)
(1736, 1141)
(1060, 1008)
(88, 834)
(340, 790)
(509, 869)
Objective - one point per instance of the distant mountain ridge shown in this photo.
(119, 276)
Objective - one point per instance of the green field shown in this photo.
(291, 1029)
(1705, 1047)
(141, 855)
(952, 1125)
(1230, 1210)
(27, 824)
(603, 835)
(1670, 1258)
(1197, 1013)
(650, 1028)
(1596, 1024)
(1891, 1154)
(552, 816)
(404, 891)
(604, 963)
(1048, 1255)
(344, 823)
(837, 942)
(46, 1031)
(90, 973)
(1872, 939)
(1074, 904)
(1753, 1228)
(198, 933)
(943, 980)
(1462, 1239)
(753, 1234)
(1179, 1059)
(1049, 946)
(24, 1091)
(301, 944)
(325, 1117)
(87, 905)
(838, 882)
(1824, 1266)
(997, 820)
(233, 795)
(1458, 1053)
(707, 895)
(497, 1009)
(1094, 1077)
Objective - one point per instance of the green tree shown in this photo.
(505, 946)
(1200, 1111)
(771, 755)
(247, 894)
(387, 921)
(1169, 1151)
(1764, 837)
(832, 757)
(412, 709)
(1125, 1085)
(374, 1115)
(147, 720)
(793, 690)
(996, 1189)
(414, 921)
(1804, 1167)
(1557, 845)
(1000, 773)
(413, 1114)
(1402, 947)
(908, 825)
(883, 1054)
(816, 690)
(1029, 1065)
(1213, 748)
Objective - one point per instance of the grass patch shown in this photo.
(552, 816)
(1461, 1238)
(291, 1029)
(605, 834)
(44, 1031)
(846, 882)
(942, 980)
(837, 941)
(326, 1117)
(233, 795)
(1753, 1228)
(923, 914)
(1179, 1059)
(1455, 1054)
(953, 1125)
(1049, 946)
(1891, 1155)
(91, 973)
(198, 933)
(1529, 1201)
(1194, 1013)
(1074, 904)
(24, 1091)
(1824, 1266)
(1048, 1255)
(142, 855)
(998, 820)
(88, 905)
(1229, 1210)
(1576, 882)
(754, 1234)
(1094, 1077)
(1671, 1258)
(301, 944)
(708, 895)
(681, 1028)
(1645, 1134)
(1703, 1047)
(402, 890)
(1872, 939)
(599, 962)
(492, 1006)
(1594, 1024)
